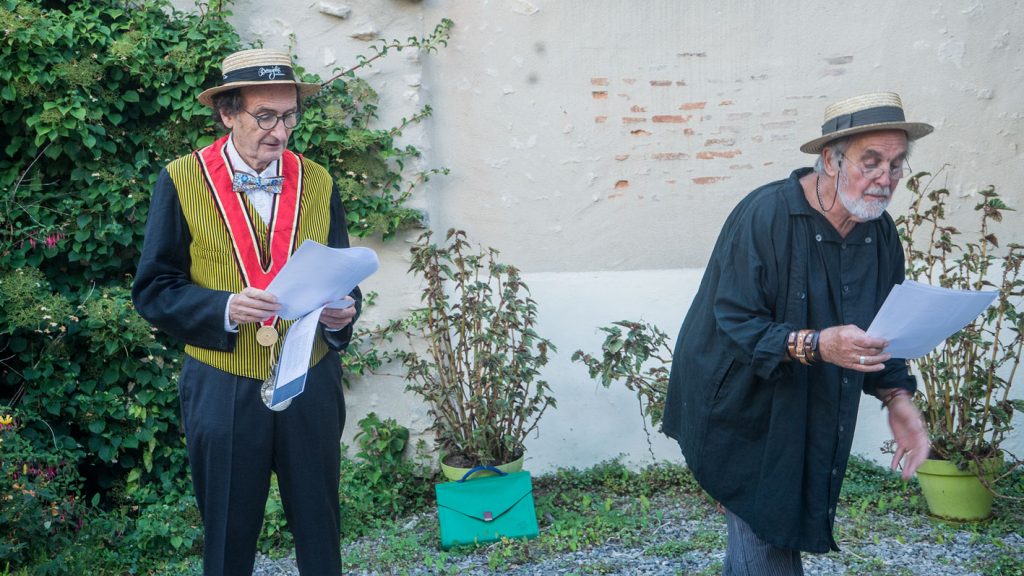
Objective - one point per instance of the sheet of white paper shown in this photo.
(916, 317)
(316, 275)
(294, 360)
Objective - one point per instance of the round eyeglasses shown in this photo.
(873, 172)
(269, 121)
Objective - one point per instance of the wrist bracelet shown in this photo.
(888, 398)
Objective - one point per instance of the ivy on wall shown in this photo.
(97, 96)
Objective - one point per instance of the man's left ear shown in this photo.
(831, 161)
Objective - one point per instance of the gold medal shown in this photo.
(266, 336)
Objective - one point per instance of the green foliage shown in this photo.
(967, 381)
(40, 502)
(116, 416)
(627, 357)
(479, 376)
(96, 98)
(381, 483)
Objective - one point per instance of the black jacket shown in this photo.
(770, 439)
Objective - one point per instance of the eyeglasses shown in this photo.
(873, 172)
(269, 121)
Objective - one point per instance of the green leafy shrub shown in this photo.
(382, 483)
(627, 356)
(97, 96)
(966, 394)
(480, 372)
(40, 503)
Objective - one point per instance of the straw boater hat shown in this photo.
(867, 113)
(259, 67)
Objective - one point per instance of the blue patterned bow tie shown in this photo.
(247, 183)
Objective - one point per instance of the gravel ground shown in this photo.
(666, 549)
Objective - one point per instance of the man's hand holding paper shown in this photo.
(337, 315)
(314, 286)
(917, 317)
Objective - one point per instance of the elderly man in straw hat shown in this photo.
(223, 221)
(772, 357)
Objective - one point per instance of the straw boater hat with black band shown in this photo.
(258, 67)
(866, 113)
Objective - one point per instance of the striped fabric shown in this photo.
(214, 266)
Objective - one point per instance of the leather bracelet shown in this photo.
(791, 345)
(888, 398)
(802, 341)
(811, 346)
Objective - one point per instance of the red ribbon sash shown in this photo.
(256, 267)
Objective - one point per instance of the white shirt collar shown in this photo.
(240, 165)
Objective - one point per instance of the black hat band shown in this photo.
(260, 74)
(879, 115)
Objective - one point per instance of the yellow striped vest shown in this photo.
(214, 265)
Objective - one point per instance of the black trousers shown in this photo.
(235, 442)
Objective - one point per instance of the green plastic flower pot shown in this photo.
(456, 473)
(954, 494)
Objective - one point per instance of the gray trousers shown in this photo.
(234, 443)
(748, 555)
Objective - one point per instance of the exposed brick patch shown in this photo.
(726, 102)
(661, 82)
(633, 119)
(692, 105)
(712, 154)
(670, 156)
(599, 95)
(688, 131)
(680, 82)
(671, 119)
(600, 119)
(622, 184)
(708, 180)
(639, 132)
(637, 108)
(722, 141)
(621, 157)
(599, 81)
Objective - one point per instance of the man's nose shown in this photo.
(279, 131)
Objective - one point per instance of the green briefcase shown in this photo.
(486, 509)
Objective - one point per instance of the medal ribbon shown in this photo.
(256, 268)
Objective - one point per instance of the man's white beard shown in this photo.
(863, 209)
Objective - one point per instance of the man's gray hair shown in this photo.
(837, 146)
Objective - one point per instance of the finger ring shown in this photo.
(861, 360)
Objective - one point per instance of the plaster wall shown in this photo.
(600, 144)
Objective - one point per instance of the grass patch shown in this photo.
(659, 512)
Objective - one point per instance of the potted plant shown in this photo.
(626, 355)
(479, 372)
(965, 394)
